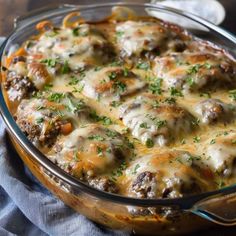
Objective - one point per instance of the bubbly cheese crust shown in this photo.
(136, 107)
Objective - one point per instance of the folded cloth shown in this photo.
(27, 208)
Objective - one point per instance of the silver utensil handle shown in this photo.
(220, 210)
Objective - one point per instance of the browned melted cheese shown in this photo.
(138, 107)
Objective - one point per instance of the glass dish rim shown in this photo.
(184, 202)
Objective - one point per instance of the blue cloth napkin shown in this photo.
(27, 208)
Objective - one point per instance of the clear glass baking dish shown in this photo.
(175, 216)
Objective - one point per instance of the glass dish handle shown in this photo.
(220, 210)
(40, 14)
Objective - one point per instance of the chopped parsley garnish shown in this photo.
(196, 139)
(125, 130)
(96, 137)
(126, 72)
(206, 95)
(129, 144)
(106, 120)
(37, 94)
(76, 156)
(78, 89)
(149, 143)
(119, 171)
(112, 75)
(59, 113)
(195, 122)
(65, 68)
(49, 62)
(179, 160)
(220, 183)
(74, 80)
(119, 86)
(52, 33)
(74, 106)
(99, 151)
(76, 32)
(170, 100)
(29, 44)
(233, 141)
(175, 92)
(56, 97)
(193, 158)
(47, 87)
(143, 65)
(213, 141)
(135, 169)
(183, 141)
(111, 133)
(232, 94)
(116, 63)
(39, 120)
(144, 125)
(190, 81)
(40, 107)
(93, 115)
(194, 69)
(160, 123)
(97, 68)
(155, 104)
(155, 87)
(207, 65)
(109, 150)
(115, 103)
(119, 33)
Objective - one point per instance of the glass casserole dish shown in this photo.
(175, 216)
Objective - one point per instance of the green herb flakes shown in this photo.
(149, 143)
(175, 92)
(96, 137)
(155, 87)
(119, 86)
(213, 141)
(144, 125)
(232, 94)
(74, 80)
(115, 103)
(170, 100)
(39, 120)
(47, 87)
(49, 62)
(196, 139)
(143, 66)
(105, 120)
(135, 169)
(206, 95)
(119, 33)
(99, 151)
(56, 97)
(65, 68)
(111, 133)
(194, 69)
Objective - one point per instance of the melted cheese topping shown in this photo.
(139, 108)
